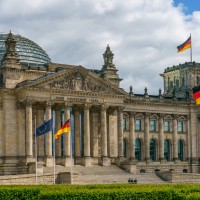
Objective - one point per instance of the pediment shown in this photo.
(76, 80)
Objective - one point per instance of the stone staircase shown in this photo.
(104, 175)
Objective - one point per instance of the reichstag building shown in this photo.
(109, 126)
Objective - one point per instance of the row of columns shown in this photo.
(40, 140)
(146, 137)
(67, 138)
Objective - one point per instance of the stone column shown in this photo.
(104, 142)
(132, 136)
(58, 141)
(87, 156)
(77, 134)
(146, 137)
(95, 126)
(67, 140)
(161, 138)
(120, 135)
(188, 139)
(40, 140)
(175, 139)
(29, 131)
(48, 158)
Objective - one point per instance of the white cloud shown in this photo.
(143, 34)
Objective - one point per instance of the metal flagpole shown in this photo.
(190, 47)
(71, 158)
(54, 159)
(36, 174)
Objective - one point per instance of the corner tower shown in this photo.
(11, 58)
(109, 71)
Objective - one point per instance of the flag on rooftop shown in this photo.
(64, 129)
(185, 45)
(196, 94)
(44, 128)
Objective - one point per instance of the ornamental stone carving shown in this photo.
(78, 82)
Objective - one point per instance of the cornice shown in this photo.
(160, 103)
(68, 92)
(25, 71)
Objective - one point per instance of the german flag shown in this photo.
(185, 45)
(196, 94)
(64, 129)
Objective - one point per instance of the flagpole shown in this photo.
(36, 174)
(71, 169)
(191, 48)
(54, 159)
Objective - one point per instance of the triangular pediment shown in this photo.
(77, 79)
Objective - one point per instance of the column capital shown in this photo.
(49, 104)
(104, 107)
(161, 116)
(121, 108)
(67, 105)
(147, 115)
(87, 106)
(28, 102)
(175, 117)
(132, 113)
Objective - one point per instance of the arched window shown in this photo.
(180, 150)
(167, 150)
(124, 150)
(152, 150)
(138, 150)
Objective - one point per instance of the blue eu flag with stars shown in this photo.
(44, 128)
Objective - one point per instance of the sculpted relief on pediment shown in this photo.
(79, 82)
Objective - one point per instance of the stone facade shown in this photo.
(138, 132)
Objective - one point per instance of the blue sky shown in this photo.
(189, 5)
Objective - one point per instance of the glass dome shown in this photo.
(29, 52)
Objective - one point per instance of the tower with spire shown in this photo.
(109, 71)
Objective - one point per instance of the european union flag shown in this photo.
(44, 128)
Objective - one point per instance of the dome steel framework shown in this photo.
(29, 52)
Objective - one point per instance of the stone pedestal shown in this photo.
(67, 162)
(129, 166)
(49, 161)
(176, 160)
(87, 162)
(162, 160)
(30, 159)
(32, 168)
(105, 161)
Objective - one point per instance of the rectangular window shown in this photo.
(152, 125)
(180, 126)
(167, 126)
(138, 124)
(124, 124)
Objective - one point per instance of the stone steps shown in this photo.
(104, 175)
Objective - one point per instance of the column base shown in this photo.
(129, 166)
(67, 161)
(30, 159)
(162, 160)
(105, 161)
(148, 160)
(32, 168)
(49, 161)
(176, 160)
(87, 162)
(132, 160)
